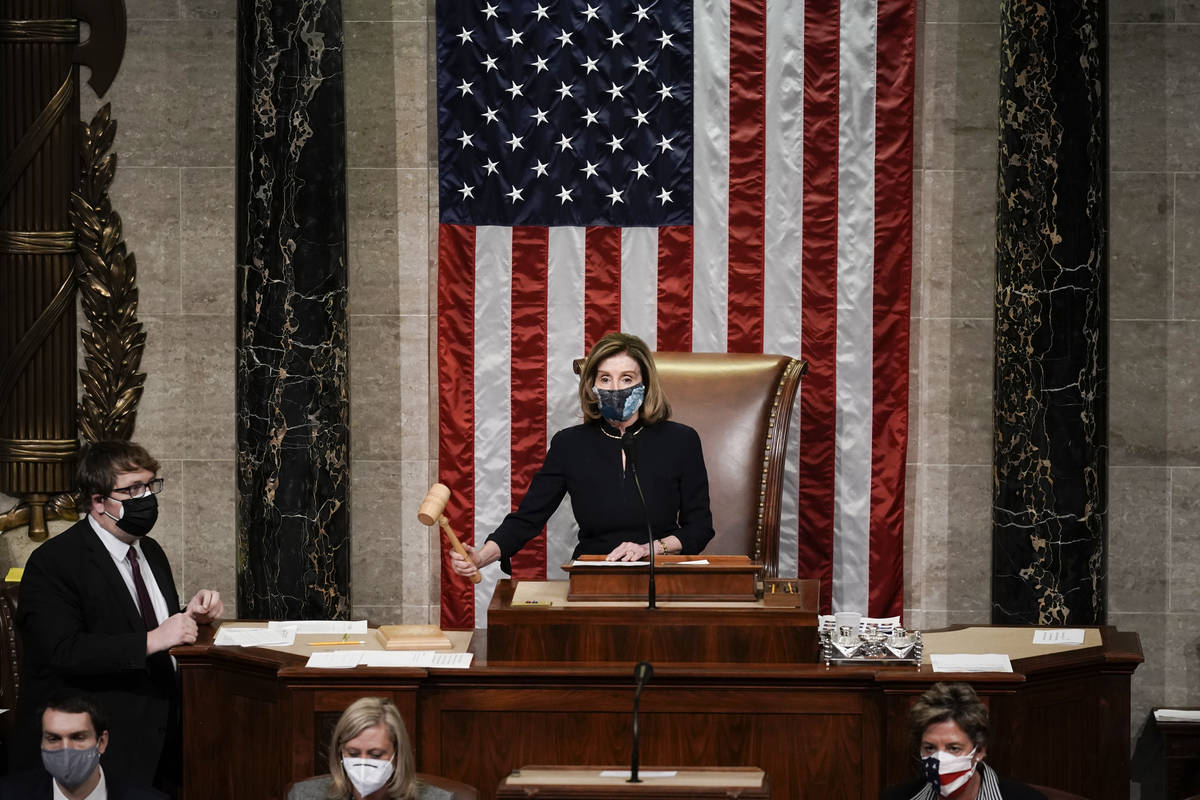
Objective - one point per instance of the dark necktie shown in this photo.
(143, 596)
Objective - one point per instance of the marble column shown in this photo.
(1049, 516)
(293, 557)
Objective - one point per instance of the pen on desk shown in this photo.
(332, 644)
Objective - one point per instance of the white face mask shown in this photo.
(949, 772)
(368, 774)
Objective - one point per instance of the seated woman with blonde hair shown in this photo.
(370, 758)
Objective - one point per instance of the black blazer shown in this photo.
(35, 785)
(80, 629)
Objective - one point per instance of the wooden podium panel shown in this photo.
(587, 783)
(738, 633)
(256, 719)
(680, 578)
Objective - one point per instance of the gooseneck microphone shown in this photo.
(629, 447)
(641, 673)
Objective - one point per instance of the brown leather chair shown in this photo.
(457, 790)
(741, 405)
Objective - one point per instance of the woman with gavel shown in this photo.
(625, 416)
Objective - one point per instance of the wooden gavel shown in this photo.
(431, 511)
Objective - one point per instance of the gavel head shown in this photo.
(434, 504)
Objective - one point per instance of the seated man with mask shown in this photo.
(98, 612)
(74, 737)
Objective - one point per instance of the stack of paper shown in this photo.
(282, 633)
(1058, 636)
(278, 636)
(1177, 714)
(323, 626)
(827, 622)
(970, 662)
(425, 659)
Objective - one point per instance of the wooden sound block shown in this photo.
(414, 637)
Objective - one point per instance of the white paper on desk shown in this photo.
(1177, 715)
(326, 626)
(449, 660)
(256, 637)
(698, 561)
(827, 622)
(425, 659)
(642, 773)
(581, 563)
(1058, 636)
(970, 662)
(342, 659)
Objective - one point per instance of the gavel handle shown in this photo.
(457, 545)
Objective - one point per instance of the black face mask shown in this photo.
(138, 515)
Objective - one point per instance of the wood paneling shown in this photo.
(256, 719)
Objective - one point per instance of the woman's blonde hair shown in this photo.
(655, 407)
(363, 713)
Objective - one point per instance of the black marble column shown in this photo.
(1049, 518)
(292, 348)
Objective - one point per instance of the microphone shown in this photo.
(641, 673)
(629, 447)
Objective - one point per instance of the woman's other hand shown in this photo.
(478, 558)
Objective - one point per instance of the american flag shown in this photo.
(721, 176)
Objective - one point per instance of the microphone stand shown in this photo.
(629, 447)
(642, 673)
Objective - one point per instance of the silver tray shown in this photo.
(870, 652)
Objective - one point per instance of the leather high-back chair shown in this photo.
(741, 406)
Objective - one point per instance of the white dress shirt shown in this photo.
(120, 555)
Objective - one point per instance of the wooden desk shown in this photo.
(587, 783)
(626, 633)
(256, 719)
(1181, 755)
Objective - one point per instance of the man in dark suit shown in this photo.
(98, 612)
(74, 737)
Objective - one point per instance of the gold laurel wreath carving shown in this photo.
(106, 276)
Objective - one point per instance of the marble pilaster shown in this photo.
(293, 460)
(1049, 516)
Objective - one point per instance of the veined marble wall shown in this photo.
(1154, 335)
(173, 101)
(1154, 350)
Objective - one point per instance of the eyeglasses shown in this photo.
(139, 489)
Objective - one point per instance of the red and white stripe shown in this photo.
(801, 244)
